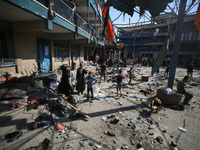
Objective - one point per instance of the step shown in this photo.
(18, 120)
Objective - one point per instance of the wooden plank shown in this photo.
(63, 99)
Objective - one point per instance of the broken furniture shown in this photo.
(168, 96)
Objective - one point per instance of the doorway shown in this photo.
(44, 58)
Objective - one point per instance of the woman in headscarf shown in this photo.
(80, 79)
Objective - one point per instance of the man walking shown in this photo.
(190, 70)
(103, 71)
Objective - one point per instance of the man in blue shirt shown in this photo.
(89, 80)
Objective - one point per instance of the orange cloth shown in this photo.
(110, 32)
(197, 18)
(32, 101)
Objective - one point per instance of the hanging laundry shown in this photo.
(52, 11)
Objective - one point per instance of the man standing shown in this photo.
(190, 70)
(103, 71)
(80, 87)
(130, 72)
(181, 89)
(119, 82)
(72, 78)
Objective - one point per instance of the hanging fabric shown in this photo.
(107, 23)
(52, 11)
(110, 32)
(105, 17)
(75, 22)
(197, 18)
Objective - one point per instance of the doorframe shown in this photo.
(44, 41)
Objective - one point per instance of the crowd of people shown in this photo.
(77, 80)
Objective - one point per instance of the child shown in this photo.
(156, 102)
(130, 72)
(119, 82)
(89, 80)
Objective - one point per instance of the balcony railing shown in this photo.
(66, 12)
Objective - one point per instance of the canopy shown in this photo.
(155, 7)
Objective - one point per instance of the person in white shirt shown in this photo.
(72, 77)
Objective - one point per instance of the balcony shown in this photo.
(64, 11)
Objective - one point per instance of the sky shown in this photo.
(114, 13)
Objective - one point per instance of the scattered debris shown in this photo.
(182, 129)
(13, 136)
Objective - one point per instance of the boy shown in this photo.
(72, 78)
(156, 102)
(119, 82)
(89, 80)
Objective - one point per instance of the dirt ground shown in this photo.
(123, 122)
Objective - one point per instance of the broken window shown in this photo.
(7, 51)
(75, 52)
(61, 51)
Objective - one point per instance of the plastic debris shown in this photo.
(182, 129)
(59, 127)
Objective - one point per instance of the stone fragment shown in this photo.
(103, 118)
(91, 144)
(132, 142)
(152, 126)
(83, 143)
(164, 131)
(71, 134)
(111, 133)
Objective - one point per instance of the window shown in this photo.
(75, 52)
(61, 51)
(7, 51)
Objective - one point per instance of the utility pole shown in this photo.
(176, 47)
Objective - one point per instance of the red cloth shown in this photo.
(110, 31)
(59, 127)
(30, 102)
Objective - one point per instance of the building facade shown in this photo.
(145, 40)
(42, 35)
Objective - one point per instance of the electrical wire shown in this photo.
(117, 17)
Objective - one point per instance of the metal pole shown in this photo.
(179, 28)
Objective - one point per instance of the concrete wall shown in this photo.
(26, 50)
(8, 69)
